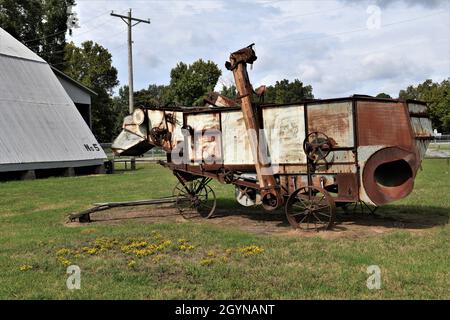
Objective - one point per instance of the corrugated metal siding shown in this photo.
(38, 121)
(76, 94)
(11, 47)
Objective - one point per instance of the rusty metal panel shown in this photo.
(205, 145)
(347, 186)
(388, 175)
(292, 169)
(422, 146)
(364, 153)
(333, 119)
(294, 182)
(336, 168)
(284, 127)
(175, 127)
(382, 123)
(341, 156)
(422, 127)
(417, 108)
(236, 146)
(156, 118)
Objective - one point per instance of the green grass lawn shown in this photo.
(439, 146)
(133, 260)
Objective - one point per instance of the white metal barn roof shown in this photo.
(40, 127)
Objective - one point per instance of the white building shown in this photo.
(40, 127)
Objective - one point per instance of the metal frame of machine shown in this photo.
(334, 151)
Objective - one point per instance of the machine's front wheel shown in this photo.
(310, 208)
(195, 198)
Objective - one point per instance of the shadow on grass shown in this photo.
(399, 216)
(255, 219)
(390, 216)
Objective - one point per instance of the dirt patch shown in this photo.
(354, 225)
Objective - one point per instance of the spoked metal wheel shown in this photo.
(195, 198)
(310, 208)
(317, 146)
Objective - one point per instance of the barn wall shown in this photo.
(39, 124)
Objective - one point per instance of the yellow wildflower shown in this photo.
(64, 261)
(157, 258)
(63, 252)
(184, 245)
(206, 262)
(25, 267)
(251, 250)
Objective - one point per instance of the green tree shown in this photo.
(91, 64)
(383, 95)
(190, 83)
(288, 92)
(152, 97)
(40, 24)
(229, 92)
(120, 109)
(437, 97)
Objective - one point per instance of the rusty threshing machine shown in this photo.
(310, 157)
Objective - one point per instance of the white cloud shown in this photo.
(323, 43)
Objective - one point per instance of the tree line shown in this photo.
(43, 25)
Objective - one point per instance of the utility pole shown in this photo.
(131, 22)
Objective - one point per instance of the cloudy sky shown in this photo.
(340, 47)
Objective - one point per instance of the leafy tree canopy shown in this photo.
(383, 95)
(91, 64)
(229, 92)
(190, 83)
(39, 24)
(288, 92)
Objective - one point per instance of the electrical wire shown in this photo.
(277, 41)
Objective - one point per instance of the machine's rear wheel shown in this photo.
(310, 208)
(195, 198)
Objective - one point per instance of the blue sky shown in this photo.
(340, 47)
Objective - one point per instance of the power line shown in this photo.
(356, 30)
(42, 38)
(75, 35)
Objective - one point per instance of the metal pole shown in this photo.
(128, 19)
(130, 66)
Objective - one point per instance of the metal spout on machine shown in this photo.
(270, 192)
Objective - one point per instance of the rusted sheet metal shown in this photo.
(422, 146)
(236, 146)
(133, 138)
(290, 183)
(419, 109)
(383, 128)
(175, 126)
(388, 175)
(367, 149)
(284, 128)
(205, 145)
(381, 123)
(341, 156)
(217, 100)
(348, 185)
(333, 119)
(422, 128)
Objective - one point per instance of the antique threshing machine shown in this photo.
(309, 157)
